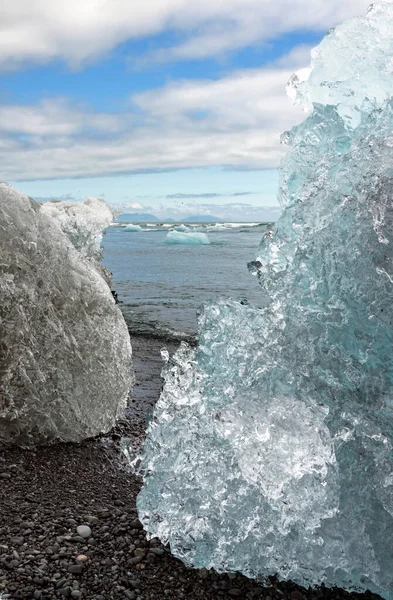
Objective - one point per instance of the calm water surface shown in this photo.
(160, 285)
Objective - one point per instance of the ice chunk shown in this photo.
(65, 353)
(271, 447)
(352, 65)
(191, 238)
(132, 227)
(83, 223)
(181, 227)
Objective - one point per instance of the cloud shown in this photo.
(235, 122)
(56, 117)
(54, 197)
(242, 212)
(80, 32)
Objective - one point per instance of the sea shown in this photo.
(162, 273)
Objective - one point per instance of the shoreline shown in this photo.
(46, 493)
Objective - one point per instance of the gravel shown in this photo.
(69, 526)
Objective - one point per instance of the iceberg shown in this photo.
(132, 227)
(190, 238)
(271, 447)
(65, 352)
(181, 227)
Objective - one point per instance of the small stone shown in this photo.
(151, 557)
(76, 569)
(235, 593)
(5, 476)
(17, 540)
(66, 591)
(76, 594)
(157, 551)
(90, 518)
(295, 595)
(84, 531)
(136, 524)
(155, 542)
(37, 595)
(82, 558)
(14, 563)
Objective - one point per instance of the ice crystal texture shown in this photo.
(83, 223)
(271, 448)
(65, 353)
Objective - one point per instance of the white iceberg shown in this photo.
(189, 238)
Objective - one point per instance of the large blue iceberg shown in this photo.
(271, 447)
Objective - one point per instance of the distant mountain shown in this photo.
(202, 219)
(136, 218)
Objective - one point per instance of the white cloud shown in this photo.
(80, 31)
(55, 117)
(227, 212)
(235, 121)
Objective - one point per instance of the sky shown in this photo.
(170, 107)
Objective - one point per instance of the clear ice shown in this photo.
(65, 352)
(190, 238)
(83, 223)
(271, 446)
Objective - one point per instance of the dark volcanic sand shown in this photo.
(46, 494)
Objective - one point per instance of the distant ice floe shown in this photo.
(181, 227)
(132, 227)
(189, 238)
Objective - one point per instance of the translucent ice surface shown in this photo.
(65, 353)
(190, 238)
(83, 223)
(181, 227)
(132, 227)
(271, 447)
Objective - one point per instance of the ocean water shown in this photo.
(160, 285)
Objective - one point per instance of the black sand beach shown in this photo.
(47, 493)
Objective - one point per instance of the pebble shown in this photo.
(76, 569)
(76, 594)
(157, 551)
(5, 476)
(17, 541)
(90, 518)
(84, 531)
(82, 558)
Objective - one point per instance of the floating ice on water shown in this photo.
(132, 227)
(181, 227)
(190, 238)
(65, 353)
(271, 447)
